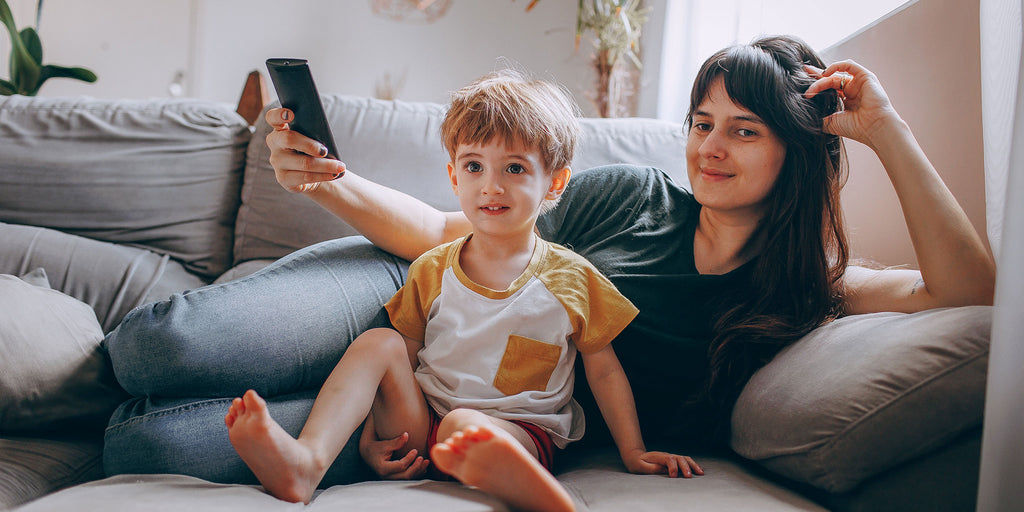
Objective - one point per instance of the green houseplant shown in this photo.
(27, 69)
(616, 25)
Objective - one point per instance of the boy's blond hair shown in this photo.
(507, 106)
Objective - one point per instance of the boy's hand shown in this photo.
(377, 454)
(649, 463)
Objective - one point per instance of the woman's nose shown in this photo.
(713, 145)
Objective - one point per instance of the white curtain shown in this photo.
(1002, 458)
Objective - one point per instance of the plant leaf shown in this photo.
(83, 74)
(7, 88)
(7, 18)
(50, 71)
(30, 37)
(24, 69)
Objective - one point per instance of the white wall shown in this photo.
(137, 47)
(927, 58)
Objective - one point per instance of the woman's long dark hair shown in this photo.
(799, 250)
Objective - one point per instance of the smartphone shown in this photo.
(297, 92)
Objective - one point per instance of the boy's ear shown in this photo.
(559, 180)
(453, 177)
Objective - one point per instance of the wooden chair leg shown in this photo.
(255, 96)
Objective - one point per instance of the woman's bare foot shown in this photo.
(490, 459)
(284, 466)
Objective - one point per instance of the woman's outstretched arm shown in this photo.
(392, 220)
(956, 269)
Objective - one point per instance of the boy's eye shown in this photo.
(516, 169)
(474, 167)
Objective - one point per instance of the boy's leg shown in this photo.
(499, 458)
(374, 370)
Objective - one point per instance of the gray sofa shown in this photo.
(106, 205)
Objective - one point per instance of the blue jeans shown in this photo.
(279, 331)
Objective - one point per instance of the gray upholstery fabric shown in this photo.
(53, 374)
(36, 277)
(865, 393)
(598, 484)
(159, 174)
(111, 278)
(31, 468)
(398, 144)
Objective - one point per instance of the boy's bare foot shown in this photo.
(490, 459)
(282, 464)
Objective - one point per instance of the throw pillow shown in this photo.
(864, 393)
(53, 374)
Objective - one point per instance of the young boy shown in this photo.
(486, 329)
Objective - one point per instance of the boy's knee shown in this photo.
(459, 419)
(382, 341)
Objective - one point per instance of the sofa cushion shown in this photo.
(398, 144)
(111, 278)
(864, 393)
(159, 174)
(53, 374)
(32, 467)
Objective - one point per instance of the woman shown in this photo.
(724, 277)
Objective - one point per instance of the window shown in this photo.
(695, 29)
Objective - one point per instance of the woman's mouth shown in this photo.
(714, 175)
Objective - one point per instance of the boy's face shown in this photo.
(501, 189)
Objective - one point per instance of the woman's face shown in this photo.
(732, 157)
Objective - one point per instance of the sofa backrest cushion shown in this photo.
(398, 144)
(159, 174)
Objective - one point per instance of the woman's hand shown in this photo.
(377, 455)
(299, 162)
(651, 463)
(867, 110)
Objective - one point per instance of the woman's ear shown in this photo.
(453, 177)
(559, 180)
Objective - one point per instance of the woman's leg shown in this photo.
(188, 437)
(278, 331)
(375, 371)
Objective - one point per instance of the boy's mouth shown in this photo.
(493, 210)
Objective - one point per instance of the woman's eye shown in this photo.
(702, 127)
(474, 167)
(516, 169)
(743, 132)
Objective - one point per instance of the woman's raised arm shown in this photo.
(956, 269)
(392, 220)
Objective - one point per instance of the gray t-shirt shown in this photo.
(637, 227)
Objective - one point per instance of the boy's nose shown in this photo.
(492, 184)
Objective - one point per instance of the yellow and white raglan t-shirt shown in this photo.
(508, 353)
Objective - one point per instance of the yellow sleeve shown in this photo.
(409, 307)
(596, 308)
(606, 314)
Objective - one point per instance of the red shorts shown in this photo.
(541, 439)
